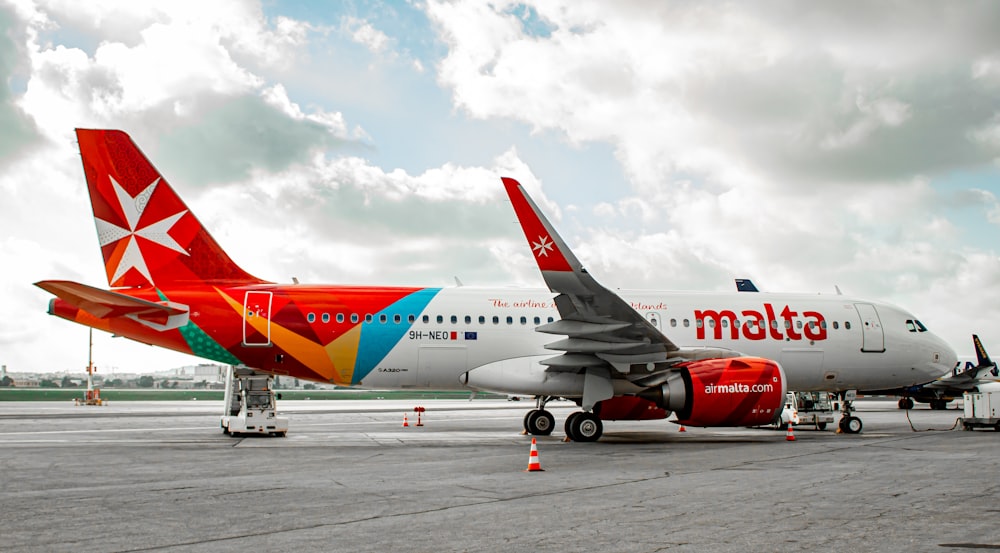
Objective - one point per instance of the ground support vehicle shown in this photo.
(982, 410)
(249, 405)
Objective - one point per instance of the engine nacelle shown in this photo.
(739, 391)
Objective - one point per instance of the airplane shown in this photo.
(967, 376)
(173, 286)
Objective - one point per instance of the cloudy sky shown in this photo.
(676, 145)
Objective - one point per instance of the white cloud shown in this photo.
(800, 145)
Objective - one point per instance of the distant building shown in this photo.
(210, 373)
(26, 382)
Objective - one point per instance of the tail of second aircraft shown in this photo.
(148, 235)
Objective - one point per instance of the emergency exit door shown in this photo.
(257, 319)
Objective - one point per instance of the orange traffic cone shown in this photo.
(533, 464)
(790, 436)
(683, 429)
(406, 421)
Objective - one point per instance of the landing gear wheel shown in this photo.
(850, 425)
(905, 403)
(568, 426)
(821, 425)
(539, 422)
(584, 427)
(939, 404)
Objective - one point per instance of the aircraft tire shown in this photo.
(568, 426)
(527, 418)
(851, 425)
(539, 422)
(905, 403)
(586, 427)
(821, 425)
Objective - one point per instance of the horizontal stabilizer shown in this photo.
(105, 304)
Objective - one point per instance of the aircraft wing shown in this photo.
(105, 304)
(600, 327)
(969, 379)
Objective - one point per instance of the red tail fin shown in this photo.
(148, 236)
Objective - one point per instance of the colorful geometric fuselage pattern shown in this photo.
(173, 286)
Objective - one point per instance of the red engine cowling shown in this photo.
(738, 391)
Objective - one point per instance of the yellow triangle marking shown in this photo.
(302, 349)
(344, 352)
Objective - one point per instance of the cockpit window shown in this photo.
(910, 326)
(920, 326)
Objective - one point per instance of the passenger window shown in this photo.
(510, 320)
(836, 325)
(687, 323)
(524, 320)
(311, 317)
(397, 318)
(411, 319)
(538, 320)
(774, 325)
(468, 319)
(326, 317)
(822, 324)
(847, 325)
(699, 323)
(340, 317)
(354, 317)
(454, 319)
(798, 324)
(440, 319)
(496, 320)
(551, 320)
(368, 318)
(482, 319)
(382, 318)
(673, 322)
(426, 319)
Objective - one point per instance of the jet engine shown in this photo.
(738, 391)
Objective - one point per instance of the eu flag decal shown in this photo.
(471, 336)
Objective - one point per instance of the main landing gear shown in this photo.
(583, 427)
(849, 424)
(580, 426)
(538, 421)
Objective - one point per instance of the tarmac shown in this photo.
(161, 476)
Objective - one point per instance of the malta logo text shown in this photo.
(754, 325)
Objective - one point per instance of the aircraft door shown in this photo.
(873, 338)
(257, 319)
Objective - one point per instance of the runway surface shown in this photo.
(161, 476)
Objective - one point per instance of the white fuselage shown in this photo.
(823, 342)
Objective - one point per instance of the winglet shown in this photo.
(550, 250)
(745, 285)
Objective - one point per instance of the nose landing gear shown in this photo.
(849, 424)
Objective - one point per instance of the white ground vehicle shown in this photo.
(982, 410)
(249, 405)
(814, 408)
(807, 408)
